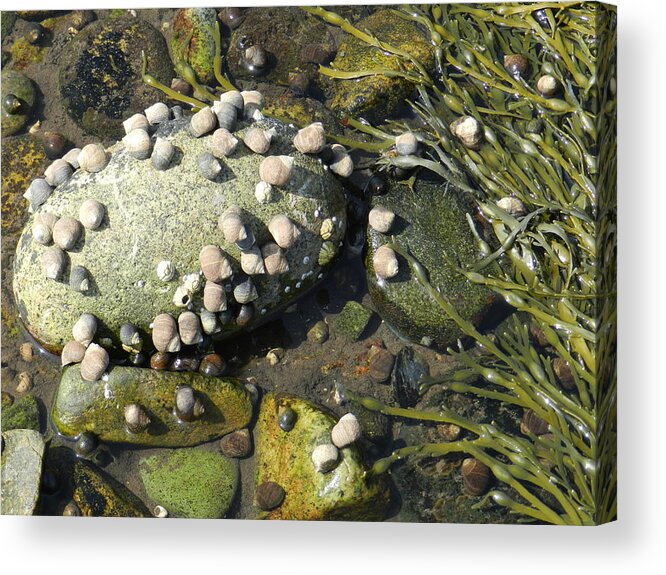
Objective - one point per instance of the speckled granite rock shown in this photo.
(21, 471)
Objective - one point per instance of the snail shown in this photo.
(184, 363)
(181, 86)
(275, 261)
(136, 122)
(226, 114)
(11, 104)
(532, 423)
(376, 186)
(38, 192)
(137, 144)
(237, 444)
(160, 360)
(327, 228)
(276, 170)
(26, 351)
(54, 261)
(311, 139)
(181, 297)
(163, 153)
(476, 476)
(385, 262)
(212, 364)
(234, 98)
(165, 270)
(94, 363)
(346, 431)
(223, 143)
(253, 102)
(130, 338)
(209, 166)
(214, 297)
(263, 191)
(251, 262)
(255, 59)
(35, 33)
(286, 418)
(188, 406)
(72, 157)
(84, 329)
(66, 232)
(91, 214)
(160, 512)
(299, 82)
(258, 140)
(214, 265)
(245, 291)
(381, 219)
(165, 333)
(547, 86)
(54, 144)
(245, 315)
(24, 382)
(232, 225)
(192, 282)
(406, 144)
(136, 418)
(189, 328)
(92, 158)
(563, 373)
(342, 163)
(157, 113)
(469, 131)
(86, 443)
(269, 495)
(71, 510)
(284, 231)
(209, 322)
(79, 279)
(202, 122)
(326, 253)
(58, 172)
(512, 206)
(515, 64)
(325, 457)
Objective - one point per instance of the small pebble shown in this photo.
(381, 363)
(160, 512)
(318, 333)
(71, 510)
(448, 431)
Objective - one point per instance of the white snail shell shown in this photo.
(38, 192)
(72, 157)
(276, 170)
(512, 206)
(136, 418)
(385, 262)
(58, 172)
(157, 113)
(226, 115)
(253, 101)
(311, 139)
(136, 122)
(202, 122)
(263, 191)
(406, 144)
(284, 231)
(93, 158)
(325, 457)
(245, 292)
(84, 329)
(42, 227)
(214, 264)
(232, 225)
(346, 431)
(54, 261)
(137, 144)
(274, 259)
(73, 352)
(165, 333)
(223, 143)
(163, 153)
(214, 297)
(234, 98)
(165, 270)
(91, 214)
(342, 163)
(258, 140)
(209, 321)
(469, 131)
(547, 86)
(94, 363)
(181, 297)
(189, 328)
(66, 232)
(381, 219)
(192, 282)
(251, 262)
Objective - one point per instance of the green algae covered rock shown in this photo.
(430, 221)
(351, 321)
(21, 471)
(81, 405)
(154, 215)
(21, 86)
(190, 483)
(376, 97)
(23, 414)
(285, 458)
(192, 41)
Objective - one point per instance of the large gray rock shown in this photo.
(21, 471)
(156, 215)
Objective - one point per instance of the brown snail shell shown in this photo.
(311, 139)
(157, 113)
(165, 333)
(276, 170)
(95, 361)
(209, 166)
(232, 226)
(252, 262)
(381, 219)
(203, 122)
(476, 476)
(469, 131)
(137, 144)
(93, 158)
(269, 495)
(72, 157)
(258, 140)
(212, 365)
(346, 431)
(136, 418)
(245, 291)
(245, 315)
(188, 406)
(214, 297)
(214, 265)
(42, 227)
(136, 122)
(73, 352)
(226, 115)
(79, 279)
(160, 360)
(237, 444)
(234, 98)
(223, 143)
(532, 423)
(91, 214)
(547, 86)
(406, 144)
(163, 153)
(325, 457)
(189, 328)
(38, 192)
(515, 64)
(284, 231)
(275, 261)
(58, 172)
(385, 262)
(84, 329)
(66, 232)
(54, 261)
(563, 374)
(342, 163)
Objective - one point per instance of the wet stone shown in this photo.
(20, 86)
(22, 414)
(351, 322)
(21, 471)
(192, 41)
(380, 364)
(318, 333)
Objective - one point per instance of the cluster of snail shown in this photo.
(94, 359)
(384, 261)
(346, 431)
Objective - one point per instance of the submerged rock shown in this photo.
(190, 483)
(351, 322)
(18, 99)
(98, 406)
(192, 41)
(23, 414)
(22, 455)
(284, 458)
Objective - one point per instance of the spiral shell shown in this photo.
(165, 333)
(251, 261)
(385, 262)
(72, 157)
(342, 163)
(58, 172)
(189, 328)
(275, 261)
(258, 140)
(226, 115)
(157, 113)
(209, 321)
(136, 418)
(136, 122)
(476, 476)
(137, 144)
(163, 153)
(212, 365)
(532, 423)
(311, 139)
(237, 444)
(547, 86)
(79, 279)
(38, 192)
(223, 143)
(381, 219)
(406, 144)
(469, 131)
(245, 291)
(165, 270)
(181, 297)
(346, 431)
(276, 170)
(214, 297)
(214, 265)
(95, 361)
(234, 98)
(54, 261)
(188, 406)
(263, 191)
(269, 495)
(512, 206)
(325, 457)
(284, 231)
(245, 315)
(130, 338)
(42, 227)
(253, 101)
(66, 232)
(203, 122)
(93, 158)
(73, 352)
(91, 214)
(209, 166)
(84, 329)
(232, 225)
(515, 64)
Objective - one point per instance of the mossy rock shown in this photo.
(285, 458)
(22, 455)
(7, 20)
(38, 15)
(23, 414)
(81, 405)
(100, 75)
(351, 322)
(24, 53)
(22, 87)
(431, 223)
(192, 41)
(376, 97)
(191, 483)
(300, 111)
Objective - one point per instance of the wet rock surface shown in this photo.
(22, 454)
(192, 41)
(18, 100)
(22, 414)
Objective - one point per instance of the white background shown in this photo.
(634, 543)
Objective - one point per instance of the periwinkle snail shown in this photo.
(286, 418)
(255, 59)
(85, 444)
(188, 406)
